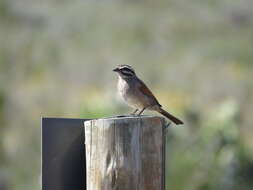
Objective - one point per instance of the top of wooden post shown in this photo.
(130, 117)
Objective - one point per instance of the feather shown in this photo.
(145, 90)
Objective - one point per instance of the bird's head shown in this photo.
(125, 71)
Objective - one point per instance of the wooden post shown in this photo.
(125, 153)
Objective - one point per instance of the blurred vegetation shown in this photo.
(56, 59)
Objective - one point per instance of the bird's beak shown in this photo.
(115, 70)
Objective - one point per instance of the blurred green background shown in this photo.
(56, 59)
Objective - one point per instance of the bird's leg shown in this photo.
(141, 111)
(134, 112)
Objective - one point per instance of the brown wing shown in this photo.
(145, 90)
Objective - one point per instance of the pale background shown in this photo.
(56, 59)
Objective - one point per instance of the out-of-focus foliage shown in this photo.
(56, 59)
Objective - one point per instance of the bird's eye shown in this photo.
(127, 72)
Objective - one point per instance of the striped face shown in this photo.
(125, 71)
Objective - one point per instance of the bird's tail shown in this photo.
(170, 117)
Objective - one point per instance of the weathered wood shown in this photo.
(125, 153)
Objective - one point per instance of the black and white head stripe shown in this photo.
(126, 70)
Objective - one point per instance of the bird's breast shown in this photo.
(130, 94)
(123, 87)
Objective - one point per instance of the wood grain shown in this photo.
(125, 153)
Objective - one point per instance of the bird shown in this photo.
(137, 95)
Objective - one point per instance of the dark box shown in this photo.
(63, 154)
